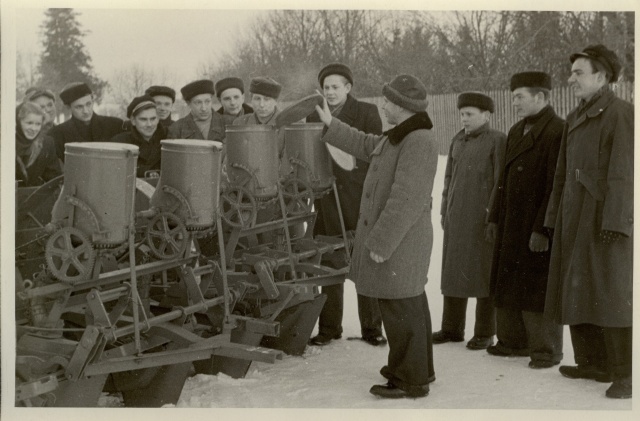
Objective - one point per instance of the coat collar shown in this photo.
(349, 111)
(417, 121)
(518, 143)
(593, 111)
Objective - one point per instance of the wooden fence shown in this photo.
(446, 121)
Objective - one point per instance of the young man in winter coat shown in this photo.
(470, 183)
(164, 97)
(523, 247)
(394, 235)
(591, 211)
(336, 80)
(201, 122)
(230, 92)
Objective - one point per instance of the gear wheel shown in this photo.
(238, 207)
(298, 196)
(167, 236)
(70, 256)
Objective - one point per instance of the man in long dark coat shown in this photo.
(202, 122)
(522, 248)
(336, 80)
(591, 211)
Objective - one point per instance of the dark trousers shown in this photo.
(608, 348)
(454, 315)
(407, 322)
(330, 323)
(519, 329)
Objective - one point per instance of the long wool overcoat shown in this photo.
(589, 281)
(518, 275)
(395, 210)
(471, 181)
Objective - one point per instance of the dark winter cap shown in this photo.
(204, 86)
(265, 86)
(335, 69)
(74, 91)
(227, 83)
(157, 90)
(531, 80)
(407, 92)
(140, 103)
(476, 99)
(33, 93)
(602, 55)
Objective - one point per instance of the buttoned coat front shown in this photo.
(395, 210)
(589, 281)
(186, 128)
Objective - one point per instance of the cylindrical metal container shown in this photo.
(252, 158)
(99, 182)
(308, 155)
(190, 177)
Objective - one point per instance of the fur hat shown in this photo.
(476, 99)
(265, 86)
(227, 83)
(604, 56)
(74, 91)
(407, 92)
(530, 80)
(335, 69)
(140, 103)
(203, 86)
(157, 90)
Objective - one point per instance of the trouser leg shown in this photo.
(511, 330)
(588, 345)
(330, 323)
(370, 318)
(485, 324)
(454, 314)
(544, 337)
(618, 343)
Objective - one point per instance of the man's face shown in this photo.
(335, 89)
(201, 106)
(48, 106)
(262, 105)
(82, 108)
(526, 103)
(146, 122)
(391, 112)
(473, 118)
(164, 106)
(584, 82)
(231, 100)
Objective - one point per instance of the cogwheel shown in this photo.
(238, 207)
(70, 256)
(298, 196)
(167, 236)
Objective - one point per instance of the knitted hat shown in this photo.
(265, 86)
(204, 86)
(476, 99)
(335, 69)
(229, 82)
(531, 80)
(407, 92)
(604, 56)
(140, 103)
(157, 90)
(74, 91)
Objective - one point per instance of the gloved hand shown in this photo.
(608, 237)
(538, 243)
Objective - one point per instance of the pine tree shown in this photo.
(64, 58)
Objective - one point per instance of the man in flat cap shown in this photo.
(146, 133)
(336, 81)
(84, 125)
(201, 122)
(47, 101)
(264, 100)
(523, 246)
(230, 92)
(164, 97)
(591, 212)
(471, 180)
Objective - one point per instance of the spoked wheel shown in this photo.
(238, 207)
(167, 236)
(70, 256)
(298, 196)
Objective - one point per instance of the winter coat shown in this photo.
(43, 166)
(149, 151)
(229, 119)
(252, 119)
(395, 210)
(364, 117)
(518, 275)
(589, 281)
(470, 183)
(186, 128)
(100, 129)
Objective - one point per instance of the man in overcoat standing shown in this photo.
(201, 122)
(522, 248)
(336, 80)
(394, 235)
(591, 211)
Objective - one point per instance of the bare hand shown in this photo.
(538, 242)
(324, 112)
(376, 258)
(491, 232)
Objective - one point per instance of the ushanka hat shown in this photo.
(265, 86)
(140, 103)
(530, 80)
(602, 55)
(74, 91)
(476, 99)
(157, 90)
(204, 86)
(335, 69)
(228, 83)
(407, 92)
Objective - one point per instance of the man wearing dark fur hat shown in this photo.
(264, 100)
(164, 97)
(230, 92)
(523, 247)
(84, 125)
(590, 284)
(394, 235)
(471, 180)
(201, 122)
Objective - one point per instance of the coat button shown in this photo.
(367, 195)
(520, 169)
